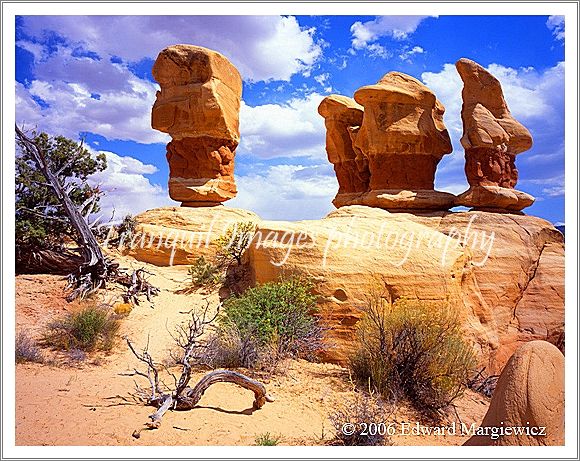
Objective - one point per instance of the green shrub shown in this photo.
(203, 273)
(91, 328)
(26, 349)
(278, 316)
(266, 324)
(235, 241)
(409, 349)
(267, 440)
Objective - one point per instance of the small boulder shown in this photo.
(529, 394)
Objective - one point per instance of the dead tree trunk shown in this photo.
(189, 398)
(95, 270)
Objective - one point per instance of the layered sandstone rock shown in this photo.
(529, 394)
(198, 105)
(342, 117)
(393, 149)
(503, 273)
(492, 138)
(179, 235)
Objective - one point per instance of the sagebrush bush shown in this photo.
(26, 349)
(267, 323)
(409, 349)
(235, 241)
(361, 420)
(91, 328)
(205, 274)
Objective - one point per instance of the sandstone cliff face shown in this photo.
(492, 138)
(529, 393)
(508, 288)
(198, 105)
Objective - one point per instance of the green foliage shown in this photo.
(408, 348)
(40, 220)
(276, 313)
(91, 328)
(234, 242)
(26, 349)
(126, 229)
(266, 324)
(267, 440)
(203, 273)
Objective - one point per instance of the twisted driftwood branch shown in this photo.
(190, 397)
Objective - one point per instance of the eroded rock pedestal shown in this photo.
(198, 106)
(386, 144)
(492, 138)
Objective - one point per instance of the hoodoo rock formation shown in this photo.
(198, 106)
(343, 116)
(492, 138)
(397, 144)
(504, 273)
(529, 395)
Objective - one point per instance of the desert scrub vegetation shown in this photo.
(267, 440)
(204, 273)
(409, 349)
(266, 324)
(234, 242)
(26, 349)
(92, 327)
(361, 420)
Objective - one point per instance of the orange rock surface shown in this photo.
(385, 155)
(492, 138)
(342, 115)
(198, 105)
(529, 393)
(503, 273)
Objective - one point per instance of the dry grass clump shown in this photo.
(26, 349)
(362, 420)
(92, 327)
(267, 440)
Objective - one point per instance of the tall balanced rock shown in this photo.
(342, 117)
(492, 138)
(198, 106)
(398, 144)
(529, 395)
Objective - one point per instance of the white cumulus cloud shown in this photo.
(126, 188)
(262, 47)
(293, 129)
(397, 27)
(557, 25)
(287, 192)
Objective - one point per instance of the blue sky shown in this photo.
(91, 76)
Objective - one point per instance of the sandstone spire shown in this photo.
(198, 105)
(492, 138)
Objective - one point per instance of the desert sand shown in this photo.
(89, 402)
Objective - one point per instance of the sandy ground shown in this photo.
(89, 402)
